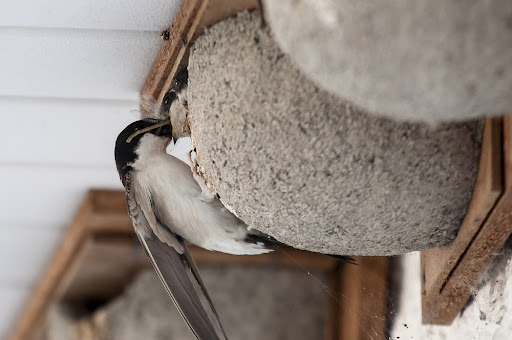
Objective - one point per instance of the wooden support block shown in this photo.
(449, 274)
(109, 223)
(361, 307)
(109, 201)
(193, 17)
(99, 254)
(107, 265)
(109, 213)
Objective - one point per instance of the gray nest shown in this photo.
(310, 169)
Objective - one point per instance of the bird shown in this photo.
(178, 90)
(176, 94)
(180, 86)
(170, 205)
(174, 106)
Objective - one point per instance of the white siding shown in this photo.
(149, 15)
(46, 196)
(69, 63)
(65, 132)
(71, 72)
(13, 299)
(23, 254)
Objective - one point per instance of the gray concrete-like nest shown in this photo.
(422, 60)
(302, 165)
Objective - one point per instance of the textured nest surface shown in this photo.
(423, 60)
(311, 170)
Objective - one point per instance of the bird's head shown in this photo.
(145, 137)
(180, 81)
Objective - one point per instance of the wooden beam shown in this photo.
(109, 201)
(193, 17)
(362, 300)
(95, 277)
(507, 150)
(332, 324)
(173, 50)
(105, 222)
(449, 274)
(439, 262)
(444, 307)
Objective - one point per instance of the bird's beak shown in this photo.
(163, 123)
(165, 131)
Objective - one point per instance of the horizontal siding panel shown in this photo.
(74, 63)
(69, 132)
(150, 15)
(12, 303)
(24, 253)
(48, 197)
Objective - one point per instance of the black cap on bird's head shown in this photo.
(179, 81)
(167, 101)
(129, 139)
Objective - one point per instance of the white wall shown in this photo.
(487, 317)
(70, 72)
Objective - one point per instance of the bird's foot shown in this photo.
(206, 193)
(193, 164)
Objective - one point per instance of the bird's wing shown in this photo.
(173, 269)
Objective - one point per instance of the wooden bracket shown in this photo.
(450, 274)
(192, 19)
(101, 239)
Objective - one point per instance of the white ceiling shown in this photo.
(71, 74)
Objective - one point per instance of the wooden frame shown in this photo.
(449, 274)
(193, 17)
(101, 239)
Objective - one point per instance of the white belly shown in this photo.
(177, 197)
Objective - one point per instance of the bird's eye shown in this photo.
(176, 81)
(138, 126)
